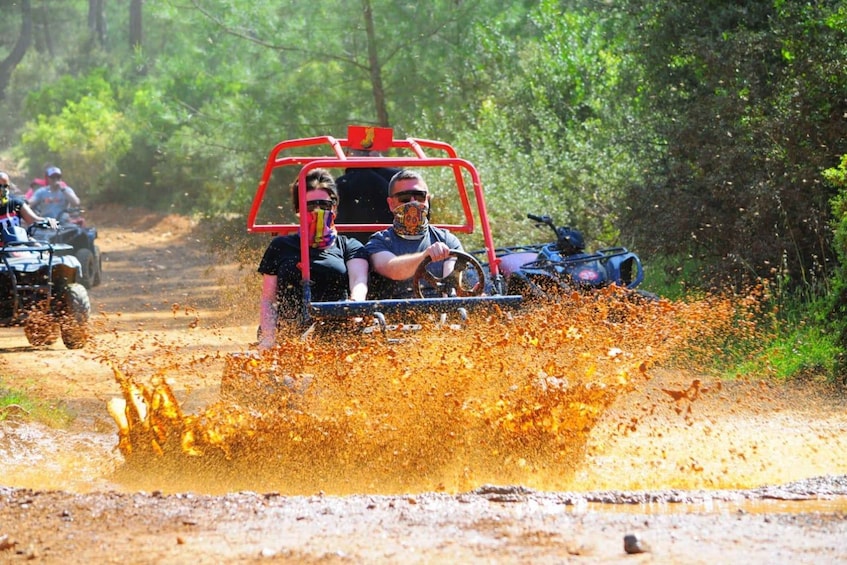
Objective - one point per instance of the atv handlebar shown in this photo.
(568, 240)
(541, 219)
(45, 223)
(545, 220)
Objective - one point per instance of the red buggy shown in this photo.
(470, 287)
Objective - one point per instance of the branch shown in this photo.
(251, 37)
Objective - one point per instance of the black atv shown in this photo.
(72, 231)
(536, 270)
(39, 290)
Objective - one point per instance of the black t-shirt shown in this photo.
(328, 271)
(362, 197)
(10, 208)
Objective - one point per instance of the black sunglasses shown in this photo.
(313, 205)
(407, 196)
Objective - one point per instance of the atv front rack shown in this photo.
(23, 283)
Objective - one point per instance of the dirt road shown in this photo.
(745, 471)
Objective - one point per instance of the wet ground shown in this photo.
(543, 457)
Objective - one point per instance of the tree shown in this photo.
(136, 35)
(744, 108)
(7, 65)
(97, 21)
(375, 66)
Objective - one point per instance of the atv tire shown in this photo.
(41, 329)
(73, 311)
(89, 267)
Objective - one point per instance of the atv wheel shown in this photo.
(98, 267)
(73, 310)
(89, 267)
(41, 329)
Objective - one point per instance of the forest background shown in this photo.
(707, 136)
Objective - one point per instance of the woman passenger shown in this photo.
(338, 264)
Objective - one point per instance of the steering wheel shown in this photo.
(457, 279)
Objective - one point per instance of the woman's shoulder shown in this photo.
(285, 241)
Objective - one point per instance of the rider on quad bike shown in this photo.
(59, 200)
(38, 285)
(55, 199)
(12, 209)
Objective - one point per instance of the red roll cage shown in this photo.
(328, 152)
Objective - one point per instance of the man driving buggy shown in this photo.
(395, 253)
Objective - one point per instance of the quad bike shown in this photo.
(73, 231)
(39, 290)
(540, 269)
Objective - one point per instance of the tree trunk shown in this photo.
(7, 66)
(97, 21)
(135, 24)
(374, 66)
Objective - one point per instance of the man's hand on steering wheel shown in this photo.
(456, 280)
(438, 251)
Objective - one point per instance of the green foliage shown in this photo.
(79, 128)
(545, 137)
(735, 180)
(671, 277)
(19, 405)
(835, 318)
(798, 349)
(837, 178)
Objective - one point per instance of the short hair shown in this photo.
(316, 179)
(404, 174)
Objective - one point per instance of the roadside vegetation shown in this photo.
(18, 405)
(708, 137)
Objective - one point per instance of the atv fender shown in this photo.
(512, 262)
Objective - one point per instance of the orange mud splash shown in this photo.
(498, 402)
